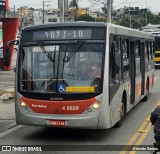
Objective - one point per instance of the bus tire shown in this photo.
(147, 92)
(122, 113)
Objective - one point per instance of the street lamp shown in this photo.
(107, 8)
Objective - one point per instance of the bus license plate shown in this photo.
(56, 122)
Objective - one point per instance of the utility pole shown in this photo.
(62, 9)
(146, 19)
(43, 14)
(44, 4)
(14, 11)
(146, 14)
(130, 20)
(109, 10)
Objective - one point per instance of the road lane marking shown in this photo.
(139, 142)
(140, 134)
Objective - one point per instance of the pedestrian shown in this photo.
(155, 120)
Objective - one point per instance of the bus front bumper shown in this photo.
(88, 121)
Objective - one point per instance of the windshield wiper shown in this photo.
(71, 53)
(45, 52)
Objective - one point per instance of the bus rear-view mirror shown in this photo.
(8, 51)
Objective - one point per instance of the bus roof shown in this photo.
(64, 24)
(119, 29)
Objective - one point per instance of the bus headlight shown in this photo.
(95, 106)
(23, 104)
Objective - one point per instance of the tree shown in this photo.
(138, 20)
(32, 9)
(73, 3)
(124, 22)
(154, 18)
(85, 17)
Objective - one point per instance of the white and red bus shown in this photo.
(81, 74)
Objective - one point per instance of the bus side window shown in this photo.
(151, 49)
(137, 56)
(147, 51)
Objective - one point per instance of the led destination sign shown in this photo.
(62, 34)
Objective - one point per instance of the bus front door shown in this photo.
(132, 73)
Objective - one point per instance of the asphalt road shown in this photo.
(30, 135)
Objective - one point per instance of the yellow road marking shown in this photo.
(139, 142)
(140, 132)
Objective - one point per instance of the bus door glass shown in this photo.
(115, 62)
(125, 61)
(137, 70)
(132, 70)
(142, 65)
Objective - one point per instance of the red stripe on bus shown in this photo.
(138, 89)
(58, 107)
(152, 80)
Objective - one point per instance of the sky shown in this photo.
(153, 5)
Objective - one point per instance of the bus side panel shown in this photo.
(112, 88)
(117, 102)
(17, 112)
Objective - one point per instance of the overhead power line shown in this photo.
(120, 3)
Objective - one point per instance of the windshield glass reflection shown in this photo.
(44, 68)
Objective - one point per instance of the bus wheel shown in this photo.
(147, 93)
(122, 113)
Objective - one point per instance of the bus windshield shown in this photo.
(62, 68)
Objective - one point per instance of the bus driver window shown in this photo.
(94, 70)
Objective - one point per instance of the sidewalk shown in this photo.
(7, 110)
